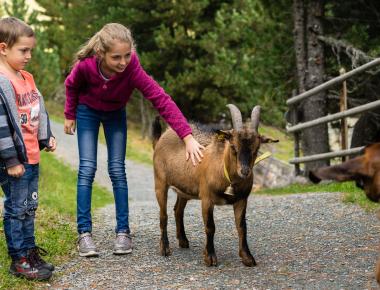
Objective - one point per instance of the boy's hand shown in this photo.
(52, 145)
(69, 126)
(16, 171)
(193, 149)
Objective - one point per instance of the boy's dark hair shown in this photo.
(11, 28)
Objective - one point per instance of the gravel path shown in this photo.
(308, 241)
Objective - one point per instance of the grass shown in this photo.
(282, 150)
(351, 194)
(55, 110)
(55, 220)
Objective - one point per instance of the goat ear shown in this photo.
(264, 139)
(350, 170)
(223, 135)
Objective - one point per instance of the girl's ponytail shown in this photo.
(103, 40)
(88, 49)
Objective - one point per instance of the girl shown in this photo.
(106, 71)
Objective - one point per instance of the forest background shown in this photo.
(208, 53)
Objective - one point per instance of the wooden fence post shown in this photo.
(343, 122)
(297, 138)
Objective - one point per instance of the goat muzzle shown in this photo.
(244, 172)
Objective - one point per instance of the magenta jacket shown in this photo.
(85, 85)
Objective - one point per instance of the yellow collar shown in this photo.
(226, 173)
(263, 156)
(258, 159)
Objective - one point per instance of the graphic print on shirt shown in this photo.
(29, 111)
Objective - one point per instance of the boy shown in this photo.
(24, 130)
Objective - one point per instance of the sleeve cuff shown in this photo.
(13, 161)
(185, 133)
(70, 117)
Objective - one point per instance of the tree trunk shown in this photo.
(300, 53)
(315, 139)
(310, 71)
(299, 42)
(146, 118)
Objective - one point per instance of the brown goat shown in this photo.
(233, 151)
(364, 170)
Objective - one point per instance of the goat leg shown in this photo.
(377, 271)
(240, 208)
(162, 198)
(179, 208)
(208, 220)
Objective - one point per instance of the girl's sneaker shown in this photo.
(34, 257)
(86, 246)
(123, 244)
(22, 268)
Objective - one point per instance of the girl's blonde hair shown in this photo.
(11, 28)
(103, 40)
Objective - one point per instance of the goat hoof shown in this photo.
(183, 243)
(165, 250)
(210, 260)
(247, 258)
(249, 261)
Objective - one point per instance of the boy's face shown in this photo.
(19, 54)
(116, 59)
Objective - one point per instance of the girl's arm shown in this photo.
(166, 107)
(163, 103)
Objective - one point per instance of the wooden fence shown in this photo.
(296, 128)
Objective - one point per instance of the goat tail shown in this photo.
(156, 131)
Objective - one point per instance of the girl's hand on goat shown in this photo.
(193, 149)
(52, 145)
(69, 126)
(16, 171)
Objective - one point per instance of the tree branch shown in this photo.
(357, 56)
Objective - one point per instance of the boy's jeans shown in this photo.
(20, 204)
(115, 131)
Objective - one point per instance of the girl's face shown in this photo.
(17, 56)
(116, 59)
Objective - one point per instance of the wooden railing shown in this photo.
(296, 128)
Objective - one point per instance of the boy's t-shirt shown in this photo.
(28, 106)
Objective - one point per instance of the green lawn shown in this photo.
(282, 150)
(55, 221)
(351, 194)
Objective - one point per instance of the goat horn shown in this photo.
(237, 121)
(255, 117)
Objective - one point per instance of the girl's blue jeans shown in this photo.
(20, 204)
(115, 131)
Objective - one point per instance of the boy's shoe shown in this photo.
(22, 268)
(123, 244)
(86, 246)
(34, 257)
